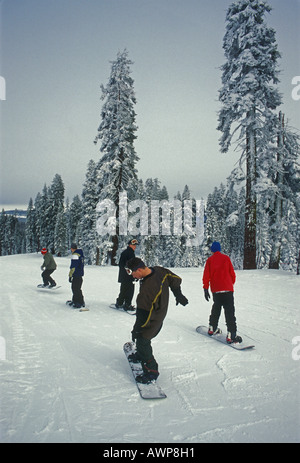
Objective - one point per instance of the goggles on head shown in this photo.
(130, 271)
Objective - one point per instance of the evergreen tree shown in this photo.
(232, 222)
(18, 236)
(68, 223)
(290, 242)
(248, 97)
(30, 229)
(284, 172)
(188, 249)
(74, 221)
(57, 193)
(216, 218)
(150, 248)
(47, 206)
(55, 204)
(117, 134)
(60, 234)
(12, 235)
(90, 198)
(9, 234)
(43, 223)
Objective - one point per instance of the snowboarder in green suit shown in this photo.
(48, 267)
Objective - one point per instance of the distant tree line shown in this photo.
(56, 227)
(12, 235)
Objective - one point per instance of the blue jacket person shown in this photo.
(76, 276)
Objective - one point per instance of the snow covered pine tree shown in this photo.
(117, 133)
(248, 97)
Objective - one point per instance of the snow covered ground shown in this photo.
(64, 376)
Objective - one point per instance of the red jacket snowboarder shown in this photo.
(219, 274)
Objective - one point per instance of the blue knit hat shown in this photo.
(215, 246)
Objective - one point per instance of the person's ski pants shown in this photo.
(225, 300)
(145, 353)
(126, 293)
(76, 289)
(47, 278)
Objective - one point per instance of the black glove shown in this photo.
(181, 299)
(206, 294)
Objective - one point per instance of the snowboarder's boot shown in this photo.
(119, 306)
(78, 305)
(69, 303)
(128, 307)
(150, 372)
(212, 330)
(232, 337)
(147, 377)
(134, 358)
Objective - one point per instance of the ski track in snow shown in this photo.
(65, 377)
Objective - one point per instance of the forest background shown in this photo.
(254, 213)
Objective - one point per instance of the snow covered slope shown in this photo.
(64, 376)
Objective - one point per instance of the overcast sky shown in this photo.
(56, 54)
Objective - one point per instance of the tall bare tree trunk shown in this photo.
(250, 206)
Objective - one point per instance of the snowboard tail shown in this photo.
(147, 391)
(48, 288)
(244, 345)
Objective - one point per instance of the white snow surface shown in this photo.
(64, 376)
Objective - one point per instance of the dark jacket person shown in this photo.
(124, 300)
(76, 276)
(152, 306)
